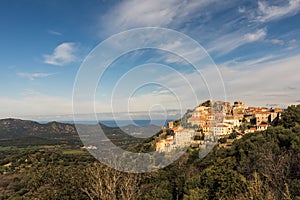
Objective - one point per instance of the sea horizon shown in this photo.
(117, 123)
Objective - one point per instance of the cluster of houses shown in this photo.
(213, 120)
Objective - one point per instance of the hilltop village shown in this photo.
(215, 121)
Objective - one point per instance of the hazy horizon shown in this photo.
(252, 51)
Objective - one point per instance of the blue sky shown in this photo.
(255, 45)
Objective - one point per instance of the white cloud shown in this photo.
(241, 9)
(34, 103)
(293, 42)
(277, 41)
(134, 13)
(185, 49)
(260, 34)
(268, 12)
(266, 80)
(257, 84)
(191, 17)
(246, 62)
(32, 76)
(63, 54)
(232, 41)
(263, 83)
(54, 32)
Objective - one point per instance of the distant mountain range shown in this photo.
(11, 128)
(17, 132)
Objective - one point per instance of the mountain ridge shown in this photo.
(18, 132)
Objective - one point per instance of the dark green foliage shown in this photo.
(222, 140)
(57, 182)
(262, 165)
(291, 117)
(198, 137)
(233, 135)
(219, 181)
(207, 103)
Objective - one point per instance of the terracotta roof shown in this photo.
(175, 128)
(221, 125)
(169, 140)
(197, 118)
(263, 125)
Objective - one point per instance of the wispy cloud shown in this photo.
(31, 103)
(258, 82)
(246, 62)
(195, 18)
(32, 76)
(232, 41)
(242, 9)
(277, 41)
(267, 12)
(260, 34)
(183, 50)
(167, 13)
(292, 44)
(63, 54)
(54, 32)
(263, 83)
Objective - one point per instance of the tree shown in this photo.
(207, 103)
(110, 184)
(56, 182)
(232, 135)
(222, 140)
(290, 117)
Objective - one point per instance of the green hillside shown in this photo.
(261, 165)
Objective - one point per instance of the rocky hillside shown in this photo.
(12, 128)
(17, 132)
